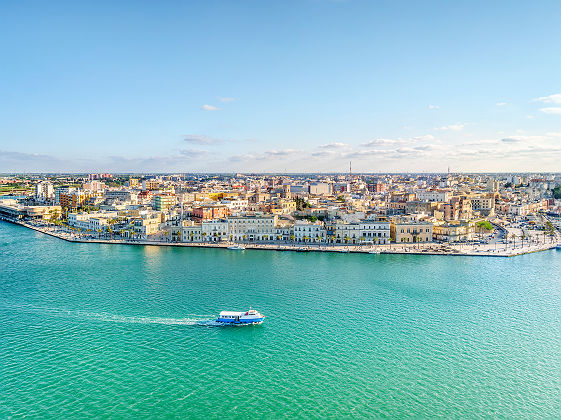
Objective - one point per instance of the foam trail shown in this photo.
(191, 319)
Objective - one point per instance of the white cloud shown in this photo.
(500, 103)
(452, 127)
(550, 99)
(194, 153)
(551, 110)
(210, 108)
(426, 137)
(227, 99)
(335, 145)
(201, 139)
(378, 142)
(433, 107)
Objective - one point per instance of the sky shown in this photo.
(280, 86)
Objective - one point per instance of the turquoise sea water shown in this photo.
(126, 331)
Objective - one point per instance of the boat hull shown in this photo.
(240, 321)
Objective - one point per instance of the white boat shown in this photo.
(250, 317)
(236, 247)
(374, 252)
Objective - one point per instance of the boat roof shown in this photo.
(232, 313)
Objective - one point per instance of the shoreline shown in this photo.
(396, 249)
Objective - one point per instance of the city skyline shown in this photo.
(294, 87)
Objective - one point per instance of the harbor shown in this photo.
(489, 250)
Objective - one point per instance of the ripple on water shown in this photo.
(99, 331)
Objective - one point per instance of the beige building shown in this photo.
(411, 232)
(454, 231)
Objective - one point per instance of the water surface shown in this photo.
(127, 331)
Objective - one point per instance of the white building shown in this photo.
(375, 231)
(434, 195)
(44, 191)
(214, 230)
(305, 231)
(92, 221)
(235, 205)
(252, 228)
(320, 188)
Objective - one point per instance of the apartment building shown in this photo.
(411, 231)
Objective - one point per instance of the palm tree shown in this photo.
(204, 236)
(513, 237)
(333, 237)
(292, 239)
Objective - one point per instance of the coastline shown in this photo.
(399, 249)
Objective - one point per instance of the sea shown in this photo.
(124, 331)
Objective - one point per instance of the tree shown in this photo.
(204, 236)
(557, 192)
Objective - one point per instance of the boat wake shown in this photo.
(144, 319)
(190, 319)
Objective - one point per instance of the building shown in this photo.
(376, 187)
(523, 209)
(44, 191)
(150, 184)
(434, 195)
(74, 200)
(375, 231)
(344, 233)
(305, 231)
(121, 195)
(93, 186)
(454, 231)
(209, 212)
(252, 228)
(214, 230)
(411, 231)
(320, 188)
(164, 202)
(147, 224)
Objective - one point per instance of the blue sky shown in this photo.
(305, 85)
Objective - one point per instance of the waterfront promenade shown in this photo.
(433, 248)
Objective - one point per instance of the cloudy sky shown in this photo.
(280, 86)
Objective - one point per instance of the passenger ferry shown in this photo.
(249, 317)
(236, 248)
